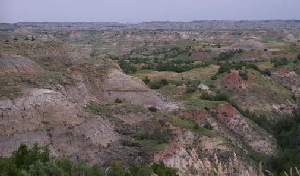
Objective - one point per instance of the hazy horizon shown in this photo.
(136, 11)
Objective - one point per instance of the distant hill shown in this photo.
(163, 25)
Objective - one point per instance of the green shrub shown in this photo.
(190, 89)
(243, 75)
(266, 72)
(97, 108)
(146, 80)
(152, 109)
(118, 101)
(196, 126)
(159, 135)
(214, 77)
(157, 84)
(208, 126)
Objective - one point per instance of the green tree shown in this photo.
(37, 169)
(52, 169)
(142, 170)
(115, 170)
(161, 170)
(20, 156)
(8, 168)
(96, 171)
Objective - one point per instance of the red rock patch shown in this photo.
(224, 111)
(234, 79)
(172, 148)
(198, 116)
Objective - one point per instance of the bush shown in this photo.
(164, 82)
(146, 80)
(279, 62)
(219, 97)
(152, 109)
(266, 72)
(208, 126)
(158, 84)
(243, 75)
(196, 126)
(118, 101)
(190, 89)
(214, 77)
(159, 135)
(97, 108)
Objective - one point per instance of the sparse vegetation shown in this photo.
(97, 108)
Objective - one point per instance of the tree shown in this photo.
(20, 155)
(37, 169)
(142, 170)
(52, 169)
(8, 168)
(115, 170)
(96, 171)
(161, 170)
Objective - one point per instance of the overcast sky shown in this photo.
(145, 10)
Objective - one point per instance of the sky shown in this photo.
(134, 11)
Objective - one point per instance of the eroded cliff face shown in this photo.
(51, 111)
(133, 90)
(37, 108)
(192, 154)
(242, 129)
